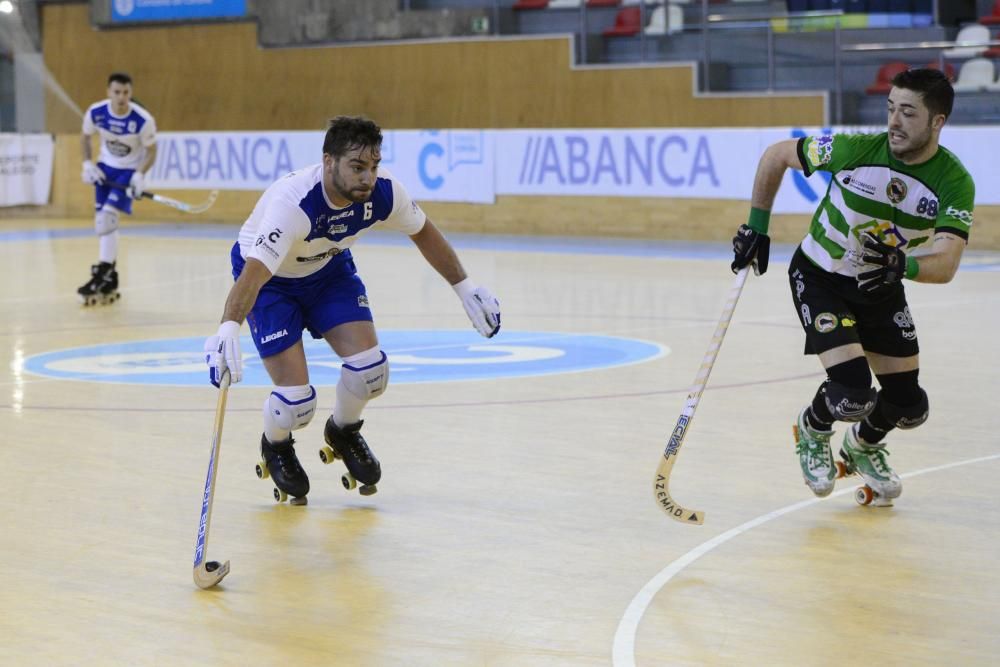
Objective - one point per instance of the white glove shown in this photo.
(92, 174)
(135, 185)
(222, 351)
(482, 307)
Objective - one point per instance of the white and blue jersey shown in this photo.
(304, 242)
(295, 230)
(124, 139)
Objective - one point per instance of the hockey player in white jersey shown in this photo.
(127, 134)
(294, 272)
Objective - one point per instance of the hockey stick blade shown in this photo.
(170, 201)
(209, 573)
(183, 206)
(661, 484)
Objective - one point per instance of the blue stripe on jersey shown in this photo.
(101, 117)
(339, 223)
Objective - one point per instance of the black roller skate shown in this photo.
(348, 444)
(102, 288)
(282, 466)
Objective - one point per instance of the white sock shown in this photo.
(108, 247)
(348, 408)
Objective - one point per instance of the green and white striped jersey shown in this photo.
(873, 191)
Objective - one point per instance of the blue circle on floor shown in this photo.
(414, 355)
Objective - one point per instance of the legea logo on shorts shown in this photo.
(124, 7)
(414, 356)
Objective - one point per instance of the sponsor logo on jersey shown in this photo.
(860, 186)
(319, 257)
(847, 322)
(274, 336)
(820, 150)
(345, 214)
(964, 216)
(117, 148)
(896, 190)
(825, 322)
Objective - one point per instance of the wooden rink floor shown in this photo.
(515, 523)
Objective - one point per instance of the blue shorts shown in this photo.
(105, 194)
(285, 306)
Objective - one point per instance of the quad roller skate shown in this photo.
(349, 445)
(815, 456)
(882, 484)
(278, 461)
(102, 288)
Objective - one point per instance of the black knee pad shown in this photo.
(849, 404)
(905, 416)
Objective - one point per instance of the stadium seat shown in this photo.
(564, 4)
(626, 23)
(665, 20)
(798, 6)
(992, 18)
(971, 34)
(976, 75)
(531, 4)
(878, 6)
(949, 69)
(603, 3)
(883, 78)
(856, 6)
(900, 6)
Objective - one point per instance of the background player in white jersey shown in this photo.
(890, 193)
(127, 134)
(294, 271)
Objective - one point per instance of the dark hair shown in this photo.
(348, 132)
(119, 77)
(932, 84)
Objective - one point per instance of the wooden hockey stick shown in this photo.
(660, 485)
(169, 201)
(210, 573)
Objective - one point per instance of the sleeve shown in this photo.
(406, 216)
(88, 123)
(955, 208)
(283, 224)
(148, 132)
(829, 152)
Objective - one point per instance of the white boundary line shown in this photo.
(623, 649)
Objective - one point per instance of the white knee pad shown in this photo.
(368, 381)
(290, 408)
(106, 221)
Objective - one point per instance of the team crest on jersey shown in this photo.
(820, 150)
(896, 190)
(825, 322)
(132, 127)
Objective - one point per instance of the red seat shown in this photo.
(994, 17)
(626, 23)
(531, 4)
(603, 3)
(949, 69)
(883, 79)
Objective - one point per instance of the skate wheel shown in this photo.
(367, 489)
(841, 469)
(279, 495)
(347, 479)
(262, 471)
(327, 455)
(864, 495)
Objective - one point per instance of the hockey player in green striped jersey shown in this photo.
(899, 206)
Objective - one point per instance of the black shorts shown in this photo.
(834, 312)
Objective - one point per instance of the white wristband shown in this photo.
(464, 288)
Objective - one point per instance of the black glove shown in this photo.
(889, 265)
(750, 246)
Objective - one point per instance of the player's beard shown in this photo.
(358, 195)
(915, 145)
